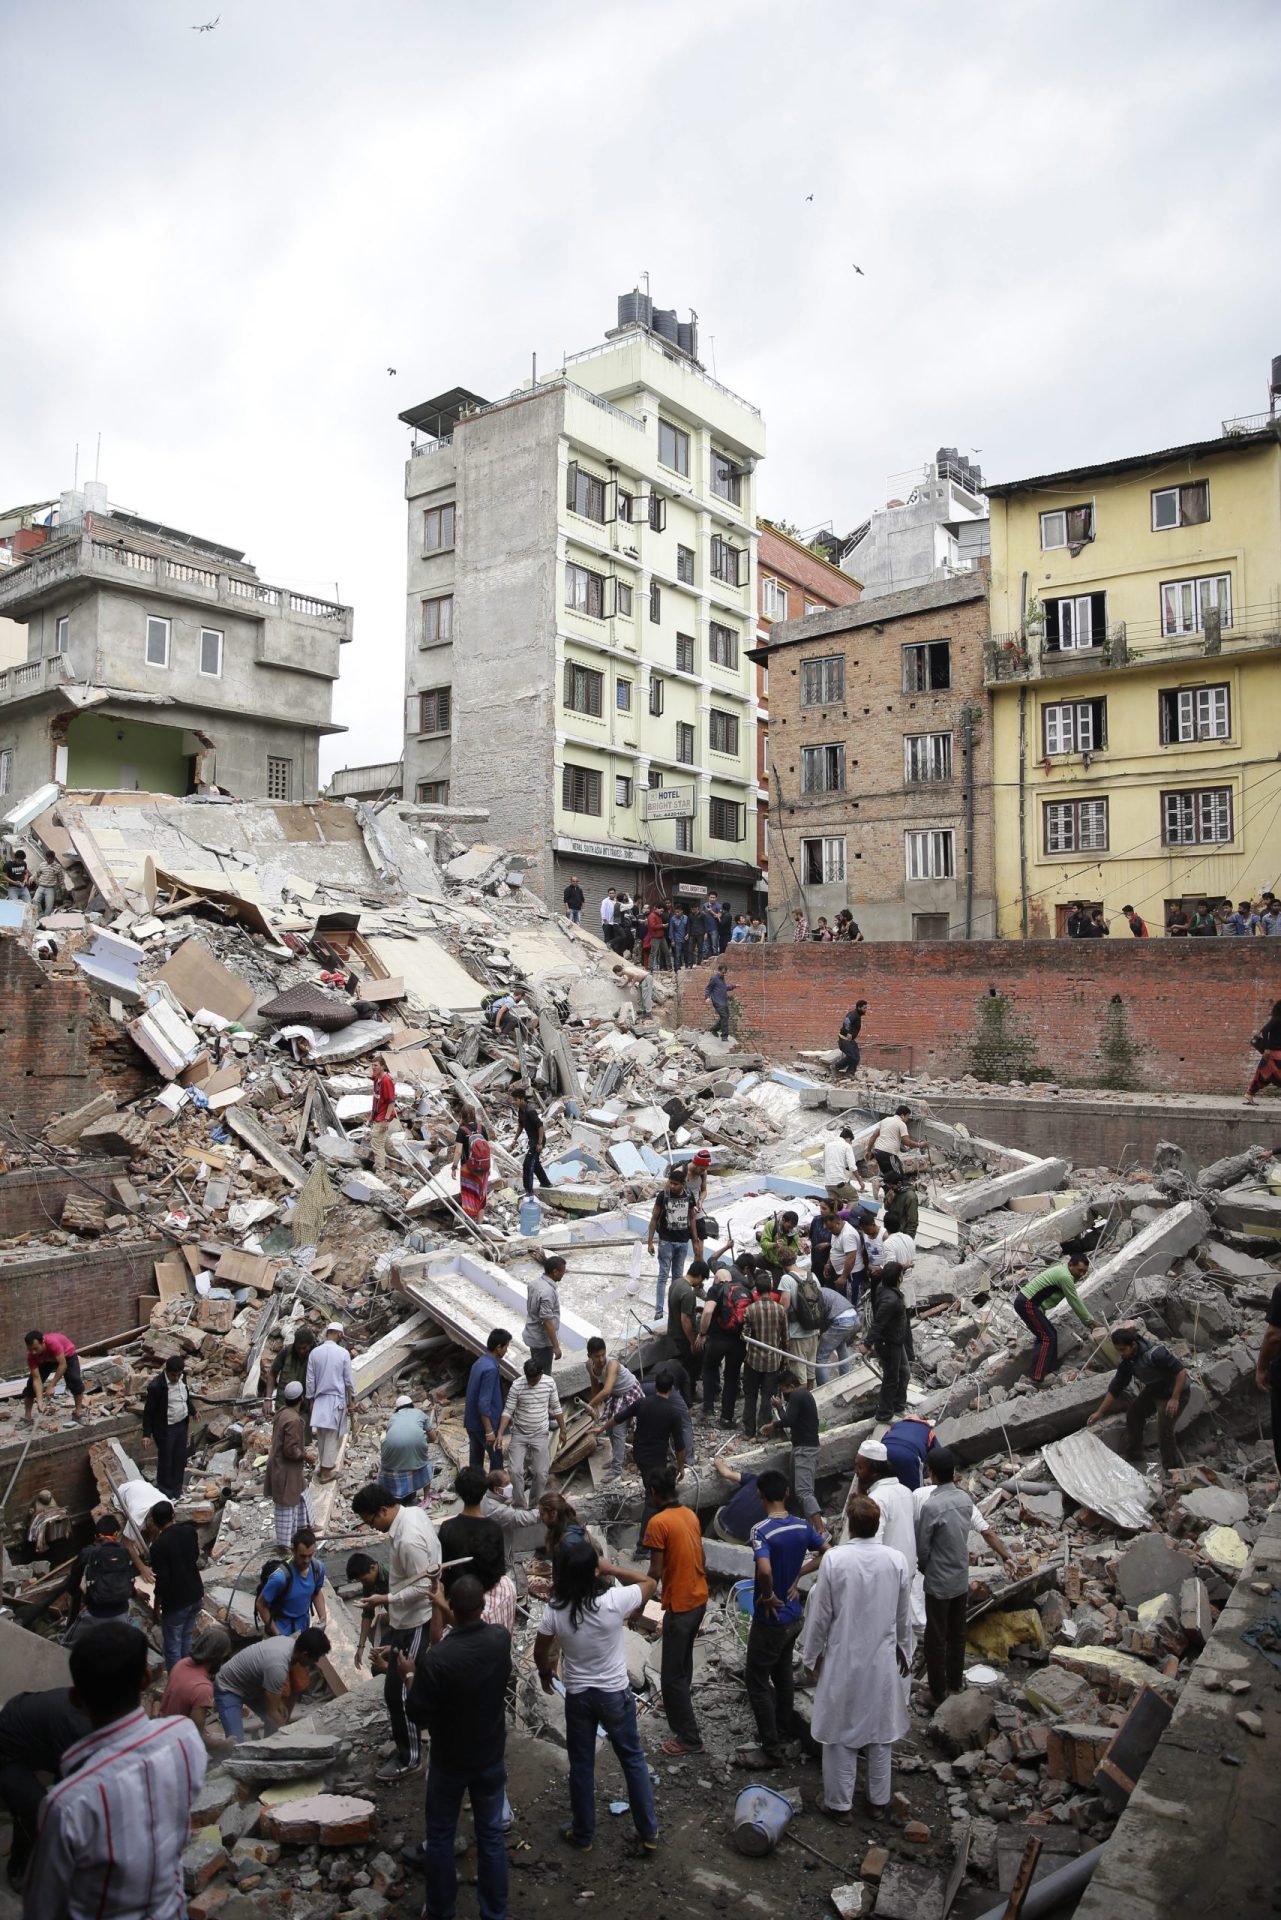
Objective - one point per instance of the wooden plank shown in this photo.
(268, 1314)
(239, 1269)
(171, 1279)
(1023, 1879)
(199, 981)
(246, 1128)
(380, 990)
(61, 1132)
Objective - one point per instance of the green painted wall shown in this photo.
(149, 758)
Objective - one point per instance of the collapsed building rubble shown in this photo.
(246, 964)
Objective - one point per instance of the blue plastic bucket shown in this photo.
(761, 1818)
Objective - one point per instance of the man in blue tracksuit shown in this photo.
(483, 1406)
(718, 991)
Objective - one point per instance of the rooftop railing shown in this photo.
(83, 555)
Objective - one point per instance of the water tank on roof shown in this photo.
(71, 507)
(666, 324)
(687, 338)
(946, 456)
(95, 492)
(634, 308)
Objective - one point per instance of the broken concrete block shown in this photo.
(1057, 1692)
(1152, 1251)
(852, 1901)
(1216, 1506)
(1252, 1723)
(1224, 1548)
(1195, 1616)
(280, 1757)
(1117, 1673)
(1130, 1749)
(1150, 1567)
(324, 1819)
(1074, 1750)
(1021, 1424)
(985, 1196)
(964, 1720)
(1031, 1203)
(202, 1858)
(875, 1861)
(217, 1793)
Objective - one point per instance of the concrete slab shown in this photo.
(29, 1663)
(1154, 1250)
(1021, 1424)
(985, 1196)
(1150, 1567)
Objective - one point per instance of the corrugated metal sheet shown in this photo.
(1099, 1479)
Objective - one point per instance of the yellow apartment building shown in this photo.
(1134, 668)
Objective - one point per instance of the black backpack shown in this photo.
(808, 1303)
(108, 1577)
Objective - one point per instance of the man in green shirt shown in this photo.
(1033, 1302)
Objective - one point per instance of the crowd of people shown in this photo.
(1206, 920)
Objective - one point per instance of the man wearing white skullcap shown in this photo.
(285, 1478)
(404, 1465)
(332, 1392)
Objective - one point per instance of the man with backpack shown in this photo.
(293, 1590)
(805, 1319)
(101, 1582)
(674, 1223)
(721, 1342)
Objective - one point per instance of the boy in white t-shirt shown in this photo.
(889, 1141)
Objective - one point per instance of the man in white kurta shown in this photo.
(857, 1634)
(876, 1478)
(331, 1390)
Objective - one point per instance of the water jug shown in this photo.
(531, 1215)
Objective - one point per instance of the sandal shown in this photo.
(677, 1750)
(845, 1814)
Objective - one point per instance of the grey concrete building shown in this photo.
(581, 596)
(940, 530)
(159, 661)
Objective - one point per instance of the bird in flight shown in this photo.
(809, 197)
(208, 26)
(392, 372)
(857, 268)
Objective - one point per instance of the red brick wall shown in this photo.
(57, 1046)
(88, 1296)
(1167, 1016)
(31, 1199)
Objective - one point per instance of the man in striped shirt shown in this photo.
(765, 1328)
(532, 1404)
(113, 1830)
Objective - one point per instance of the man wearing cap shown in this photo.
(332, 1392)
(1163, 1388)
(404, 1465)
(166, 1422)
(875, 1475)
(285, 1479)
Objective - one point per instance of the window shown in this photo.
(157, 642)
(1203, 815)
(725, 819)
(211, 653)
(823, 681)
(814, 606)
(685, 565)
(280, 778)
(727, 479)
(655, 694)
(673, 448)
(438, 620)
(580, 789)
(433, 710)
(1074, 726)
(622, 790)
(927, 668)
(657, 512)
(685, 653)
(584, 493)
(585, 591)
(6, 769)
(1076, 826)
(685, 743)
(1185, 603)
(823, 861)
(622, 599)
(684, 836)
(655, 778)
(623, 695)
(584, 689)
(931, 854)
(722, 731)
(1187, 506)
(1195, 713)
(624, 504)
(1070, 527)
(822, 769)
(727, 562)
(62, 633)
(773, 598)
(930, 926)
(1073, 624)
(655, 602)
(433, 793)
(438, 528)
(722, 645)
(927, 756)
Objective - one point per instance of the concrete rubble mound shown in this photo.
(214, 1186)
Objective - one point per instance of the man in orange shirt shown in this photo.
(675, 1542)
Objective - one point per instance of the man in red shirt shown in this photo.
(382, 1113)
(52, 1355)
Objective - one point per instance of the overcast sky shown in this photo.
(215, 244)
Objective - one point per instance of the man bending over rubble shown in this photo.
(1033, 1302)
(1163, 1388)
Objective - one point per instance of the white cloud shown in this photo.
(216, 244)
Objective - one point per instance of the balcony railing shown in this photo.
(33, 676)
(99, 559)
(1250, 423)
(1013, 656)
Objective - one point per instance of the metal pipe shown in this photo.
(1023, 810)
(1045, 1895)
(969, 822)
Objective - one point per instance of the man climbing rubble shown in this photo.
(1033, 1302)
(1163, 1389)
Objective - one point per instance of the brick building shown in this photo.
(881, 774)
(792, 581)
